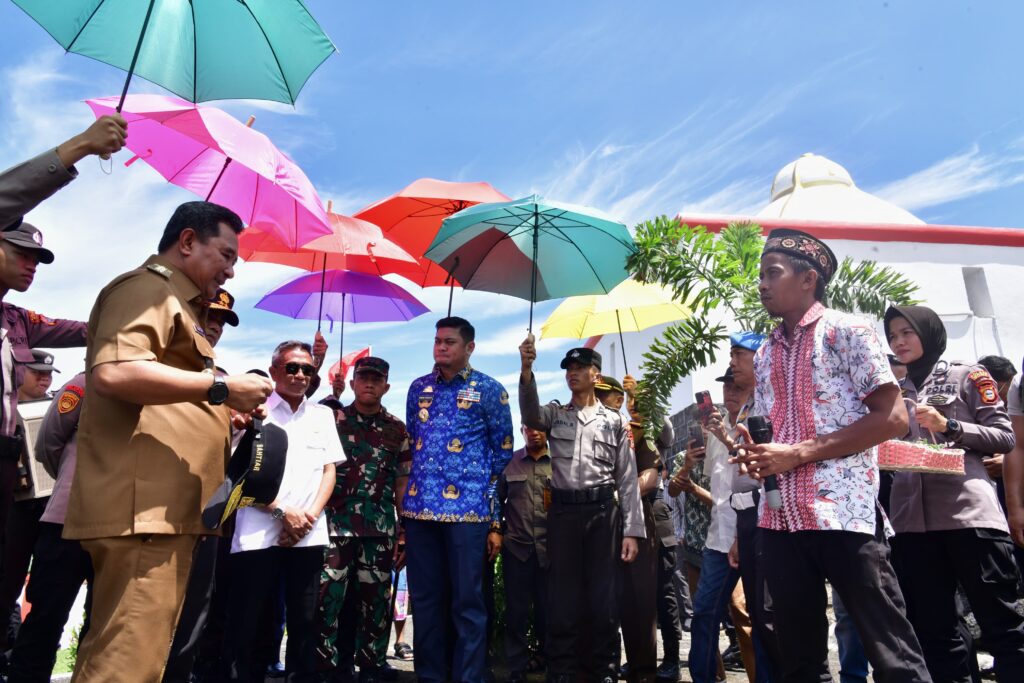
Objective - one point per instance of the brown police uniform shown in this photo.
(144, 472)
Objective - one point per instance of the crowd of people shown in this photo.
(209, 512)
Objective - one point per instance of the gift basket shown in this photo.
(920, 456)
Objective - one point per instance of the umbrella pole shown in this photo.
(135, 57)
(451, 287)
(622, 344)
(320, 313)
(533, 277)
(227, 160)
(341, 344)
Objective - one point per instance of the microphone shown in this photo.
(761, 431)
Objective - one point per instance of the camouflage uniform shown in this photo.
(362, 521)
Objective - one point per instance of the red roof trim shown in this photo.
(875, 232)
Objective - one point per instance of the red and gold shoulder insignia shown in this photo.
(985, 385)
(38, 319)
(69, 399)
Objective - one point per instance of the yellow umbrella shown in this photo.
(630, 307)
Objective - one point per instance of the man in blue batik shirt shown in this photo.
(460, 428)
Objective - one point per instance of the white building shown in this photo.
(971, 276)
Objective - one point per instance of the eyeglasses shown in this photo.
(293, 369)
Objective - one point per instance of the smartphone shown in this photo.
(705, 406)
(697, 436)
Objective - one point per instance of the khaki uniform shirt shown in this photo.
(589, 447)
(937, 502)
(147, 468)
(524, 492)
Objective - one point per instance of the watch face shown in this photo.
(218, 393)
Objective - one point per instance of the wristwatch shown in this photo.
(218, 391)
(953, 429)
(277, 513)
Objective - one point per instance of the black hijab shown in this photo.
(931, 332)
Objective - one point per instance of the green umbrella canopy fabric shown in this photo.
(200, 50)
(534, 249)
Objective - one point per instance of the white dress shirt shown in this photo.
(312, 444)
(723, 518)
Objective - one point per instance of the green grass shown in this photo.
(65, 662)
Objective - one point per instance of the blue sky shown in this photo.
(636, 108)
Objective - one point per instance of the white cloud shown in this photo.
(955, 177)
(505, 342)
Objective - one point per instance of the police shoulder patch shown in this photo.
(985, 385)
(69, 399)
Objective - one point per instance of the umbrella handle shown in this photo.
(135, 57)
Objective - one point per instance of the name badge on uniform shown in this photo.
(468, 395)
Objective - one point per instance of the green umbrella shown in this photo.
(200, 50)
(534, 249)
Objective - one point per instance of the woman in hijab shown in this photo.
(950, 528)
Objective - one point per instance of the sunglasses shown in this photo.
(293, 369)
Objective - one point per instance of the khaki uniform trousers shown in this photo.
(138, 593)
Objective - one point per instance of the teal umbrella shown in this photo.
(200, 50)
(534, 249)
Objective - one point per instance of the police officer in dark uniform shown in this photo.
(588, 532)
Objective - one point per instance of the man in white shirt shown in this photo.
(284, 541)
(718, 588)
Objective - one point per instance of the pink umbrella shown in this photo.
(212, 154)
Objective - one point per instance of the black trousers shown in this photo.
(638, 606)
(20, 534)
(797, 564)
(208, 663)
(59, 568)
(584, 548)
(668, 604)
(759, 603)
(929, 566)
(255, 578)
(194, 611)
(525, 588)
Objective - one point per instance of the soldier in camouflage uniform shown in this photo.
(362, 515)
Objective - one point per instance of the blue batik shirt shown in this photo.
(461, 436)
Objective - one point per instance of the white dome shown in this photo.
(810, 170)
(816, 188)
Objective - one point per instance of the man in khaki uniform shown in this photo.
(153, 442)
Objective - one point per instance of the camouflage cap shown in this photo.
(225, 303)
(371, 364)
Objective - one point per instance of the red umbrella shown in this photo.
(353, 244)
(412, 216)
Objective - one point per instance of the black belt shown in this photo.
(592, 494)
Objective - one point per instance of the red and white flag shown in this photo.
(345, 364)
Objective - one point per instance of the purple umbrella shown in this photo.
(342, 295)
